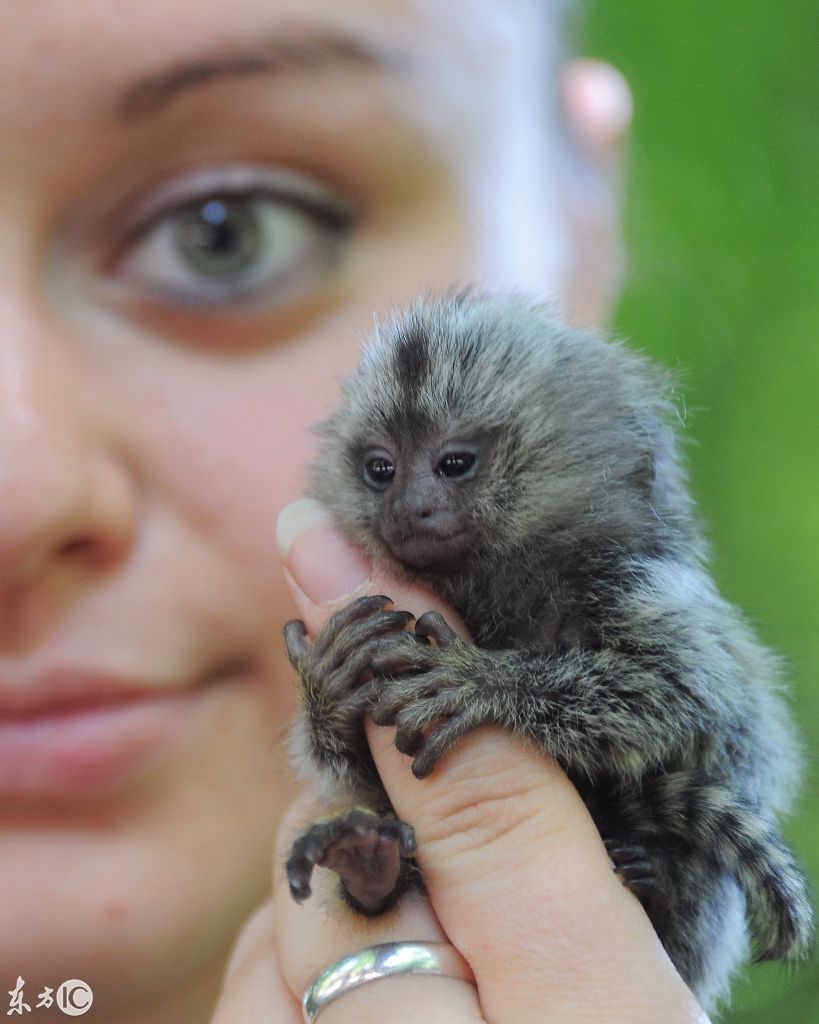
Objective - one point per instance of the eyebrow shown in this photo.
(306, 51)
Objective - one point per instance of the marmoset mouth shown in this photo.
(425, 549)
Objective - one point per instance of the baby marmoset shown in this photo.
(530, 474)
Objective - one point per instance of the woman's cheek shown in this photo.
(229, 447)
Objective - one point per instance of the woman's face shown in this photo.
(200, 213)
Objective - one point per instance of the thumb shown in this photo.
(325, 572)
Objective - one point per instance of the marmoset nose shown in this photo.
(417, 507)
(428, 517)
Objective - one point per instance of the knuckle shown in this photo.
(478, 823)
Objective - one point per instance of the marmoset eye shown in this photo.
(455, 464)
(379, 472)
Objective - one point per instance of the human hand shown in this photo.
(517, 877)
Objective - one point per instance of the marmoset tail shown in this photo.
(530, 474)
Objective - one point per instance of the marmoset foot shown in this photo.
(366, 850)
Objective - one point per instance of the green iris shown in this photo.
(220, 237)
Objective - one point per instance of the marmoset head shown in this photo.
(477, 426)
(426, 495)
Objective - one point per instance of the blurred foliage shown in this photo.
(722, 232)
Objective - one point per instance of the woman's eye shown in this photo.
(229, 246)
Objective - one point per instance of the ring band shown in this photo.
(383, 961)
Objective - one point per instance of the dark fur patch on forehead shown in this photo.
(408, 422)
(411, 361)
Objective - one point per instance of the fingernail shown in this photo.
(320, 561)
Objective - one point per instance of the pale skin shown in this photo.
(153, 426)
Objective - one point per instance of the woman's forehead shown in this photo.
(47, 43)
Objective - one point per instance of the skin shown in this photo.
(149, 440)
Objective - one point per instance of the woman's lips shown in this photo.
(71, 734)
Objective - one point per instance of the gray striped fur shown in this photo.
(599, 633)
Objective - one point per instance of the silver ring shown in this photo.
(383, 961)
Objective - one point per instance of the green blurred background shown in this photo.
(722, 231)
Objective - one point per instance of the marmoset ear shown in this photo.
(597, 107)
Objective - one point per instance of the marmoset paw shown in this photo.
(335, 674)
(333, 665)
(431, 746)
(366, 850)
(433, 697)
(433, 625)
(406, 654)
(340, 650)
(634, 867)
(430, 712)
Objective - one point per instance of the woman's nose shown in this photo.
(66, 499)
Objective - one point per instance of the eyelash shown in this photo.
(332, 214)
